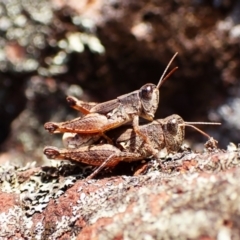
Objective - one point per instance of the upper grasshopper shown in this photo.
(101, 117)
(163, 134)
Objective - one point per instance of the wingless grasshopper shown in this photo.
(101, 117)
(163, 134)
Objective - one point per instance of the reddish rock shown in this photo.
(200, 202)
(8, 201)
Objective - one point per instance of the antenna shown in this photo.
(190, 124)
(162, 79)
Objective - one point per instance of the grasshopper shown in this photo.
(101, 117)
(164, 134)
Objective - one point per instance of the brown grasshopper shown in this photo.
(101, 117)
(128, 146)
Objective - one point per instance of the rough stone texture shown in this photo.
(195, 196)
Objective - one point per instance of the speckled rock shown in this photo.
(195, 196)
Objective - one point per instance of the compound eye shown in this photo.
(172, 126)
(146, 92)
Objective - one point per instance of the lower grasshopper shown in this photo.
(128, 146)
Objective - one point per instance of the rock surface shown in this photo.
(195, 196)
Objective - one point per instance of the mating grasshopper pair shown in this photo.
(86, 143)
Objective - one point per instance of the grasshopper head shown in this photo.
(174, 131)
(149, 97)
